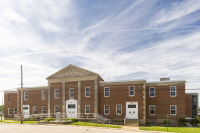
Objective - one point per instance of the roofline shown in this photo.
(121, 81)
(7, 91)
(167, 81)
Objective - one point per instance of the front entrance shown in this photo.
(131, 110)
(26, 111)
(71, 108)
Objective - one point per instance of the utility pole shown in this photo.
(2, 110)
(21, 97)
(167, 122)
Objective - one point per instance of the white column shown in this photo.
(49, 109)
(79, 96)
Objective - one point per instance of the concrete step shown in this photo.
(132, 122)
(188, 124)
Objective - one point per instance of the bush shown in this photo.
(165, 121)
(50, 119)
(182, 121)
(196, 120)
(74, 120)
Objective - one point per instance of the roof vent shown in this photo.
(164, 79)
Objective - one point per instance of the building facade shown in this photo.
(74, 91)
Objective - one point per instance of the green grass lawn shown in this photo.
(171, 129)
(12, 121)
(94, 124)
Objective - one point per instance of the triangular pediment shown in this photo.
(71, 71)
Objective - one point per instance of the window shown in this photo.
(56, 93)
(44, 94)
(25, 95)
(9, 111)
(15, 110)
(34, 110)
(152, 109)
(43, 109)
(71, 106)
(87, 92)
(87, 109)
(118, 109)
(131, 90)
(106, 92)
(152, 92)
(106, 109)
(172, 109)
(71, 93)
(56, 109)
(172, 91)
(131, 106)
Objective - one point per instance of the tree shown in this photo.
(1, 107)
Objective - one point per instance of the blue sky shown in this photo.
(120, 40)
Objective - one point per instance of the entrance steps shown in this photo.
(132, 122)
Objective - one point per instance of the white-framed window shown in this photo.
(15, 111)
(106, 109)
(87, 109)
(71, 93)
(152, 110)
(43, 109)
(172, 109)
(106, 92)
(9, 111)
(172, 91)
(56, 93)
(34, 110)
(87, 92)
(131, 91)
(152, 92)
(118, 109)
(56, 108)
(25, 95)
(43, 94)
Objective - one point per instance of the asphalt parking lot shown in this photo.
(28, 128)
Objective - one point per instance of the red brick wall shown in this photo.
(71, 85)
(188, 106)
(87, 100)
(162, 102)
(10, 101)
(119, 94)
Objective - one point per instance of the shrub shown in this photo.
(182, 120)
(74, 120)
(196, 120)
(50, 119)
(165, 121)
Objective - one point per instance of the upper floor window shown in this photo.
(152, 92)
(172, 109)
(106, 109)
(87, 92)
(56, 93)
(15, 110)
(131, 90)
(56, 109)
(173, 91)
(43, 109)
(71, 93)
(9, 111)
(106, 92)
(25, 95)
(43, 94)
(118, 109)
(87, 109)
(152, 109)
(34, 110)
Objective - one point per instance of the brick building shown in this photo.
(74, 90)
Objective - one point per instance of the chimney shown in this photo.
(164, 79)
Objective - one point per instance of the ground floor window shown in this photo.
(34, 110)
(43, 109)
(172, 109)
(87, 109)
(152, 109)
(118, 109)
(15, 110)
(106, 109)
(9, 111)
(56, 109)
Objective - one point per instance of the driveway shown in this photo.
(28, 128)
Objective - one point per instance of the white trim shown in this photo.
(154, 91)
(108, 92)
(175, 91)
(154, 110)
(107, 109)
(24, 95)
(45, 95)
(85, 109)
(55, 109)
(132, 90)
(56, 93)
(117, 109)
(33, 109)
(85, 91)
(69, 92)
(10, 111)
(45, 110)
(175, 109)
